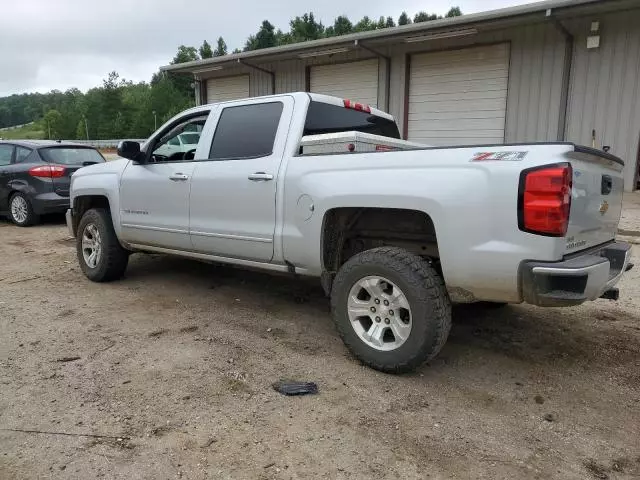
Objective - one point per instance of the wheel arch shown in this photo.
(82, 203)
(347, 231)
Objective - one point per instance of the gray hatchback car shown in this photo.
(35, 177)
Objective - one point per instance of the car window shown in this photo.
(21, 154)
(71, 155)
(6, 152)
(247, 131)
(170, 148)
(190, 138)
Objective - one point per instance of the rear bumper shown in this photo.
(49, 203)
(575, 280)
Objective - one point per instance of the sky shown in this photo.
(60, 44)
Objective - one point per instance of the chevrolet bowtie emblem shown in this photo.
(604, 206)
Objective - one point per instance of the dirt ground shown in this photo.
(176, 363)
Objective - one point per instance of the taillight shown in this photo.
(357, 106)
(545, 200)
(47, 171)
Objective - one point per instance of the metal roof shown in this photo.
(442, 24)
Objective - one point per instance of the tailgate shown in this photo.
(596, 199)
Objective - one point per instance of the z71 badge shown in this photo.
(499, 156)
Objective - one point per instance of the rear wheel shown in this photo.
(21, 211)
(391, 309)
(100, 254)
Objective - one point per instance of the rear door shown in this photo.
(596, 202)
(72, 158)
(6, 155)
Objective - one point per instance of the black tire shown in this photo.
(113, 259)
(31, 218)
(423, 288)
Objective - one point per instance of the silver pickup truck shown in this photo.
(395, 231)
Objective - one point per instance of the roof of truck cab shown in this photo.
(316, 97)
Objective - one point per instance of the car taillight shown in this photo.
(47, 171)
(357, 106)
(545, 200)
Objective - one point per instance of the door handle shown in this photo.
(260, 177)
(176, 177)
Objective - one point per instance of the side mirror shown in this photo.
(129, 149)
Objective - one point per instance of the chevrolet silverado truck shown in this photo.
(311, 185)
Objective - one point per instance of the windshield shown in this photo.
(327, 118)
(190, 138)
(71, 155)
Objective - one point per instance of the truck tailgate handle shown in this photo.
(260, 177)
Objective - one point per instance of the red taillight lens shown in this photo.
(47, 171)
(546, 200)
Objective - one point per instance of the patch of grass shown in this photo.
(32, 131)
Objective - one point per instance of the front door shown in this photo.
(233, 194)
(154, 196)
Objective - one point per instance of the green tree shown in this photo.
(341, 26)
(382, 23)
(80, 131)
(365, 24)
(390, 23)
(221, 48)
(205, 50)
(306, 28)
(454, 12)
(424, 17)
(185, 54)
(283, 38)
(52, 121)
(266, 36)
(237, 50)
(404, 19)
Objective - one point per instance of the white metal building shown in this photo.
(560, 70)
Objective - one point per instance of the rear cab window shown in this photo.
(78, 156)
(325, 118)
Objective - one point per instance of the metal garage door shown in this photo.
(356, 81)
(459, 97)
(227, 88)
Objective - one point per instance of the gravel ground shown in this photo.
(167, 374)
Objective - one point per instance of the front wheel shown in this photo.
(391, 309)
(100, 254)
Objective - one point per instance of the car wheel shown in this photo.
(21, 211)
(100, 254)
(391, 309)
